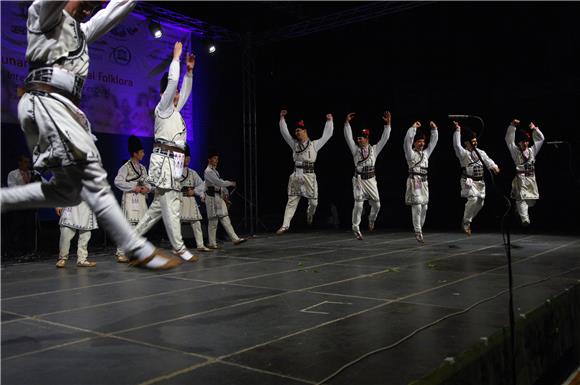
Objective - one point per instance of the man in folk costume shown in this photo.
(132, 180)
(191, 185)
(417, 193)
(216, 197)
(302, 182)
(524, 185)
(166, 162)
(364, 181)
(58, 132)
(472, 160)
(72, 219)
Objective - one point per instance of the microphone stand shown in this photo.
(505, 230)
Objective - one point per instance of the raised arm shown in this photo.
(187, 82)
(510, 138)
(348, 133)
(165, 107)
(386, 133)
(326, 134)
(48, 15)
(433, 140)
(106, 19)
(408, 142)
(212, 177)
(538, 138)
(284, 129)
(459, 150)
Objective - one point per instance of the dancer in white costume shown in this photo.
(302, 182)
(191, 185)
(364, 181)
(472, 160)
(524, 185)
(216, 197)
(72, 219)
(166, 163)
(417, 193)
(58, 132)
(132, 180)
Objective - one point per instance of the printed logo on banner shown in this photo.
(121, 55)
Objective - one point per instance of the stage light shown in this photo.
(211, 48)
(155, 28)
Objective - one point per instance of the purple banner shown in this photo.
(122, 88)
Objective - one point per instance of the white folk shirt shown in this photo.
(364, 160)
(134, 204)
(79, 217)
(472, 167)
(189, 209)
(301, 183)
(524, 185)
(58, 42)
(166, 171)
(15, 178)
(214, 202)
(417, 191)
(56, 39)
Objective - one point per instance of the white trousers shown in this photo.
(166, 205)
(66, 235)
(197, 233)
(358, 209)
(70, 185)
(418, 215)
(293, 204)
(472, 207)
(522, 208)
(212, 229)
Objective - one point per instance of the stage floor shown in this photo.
(289, 309)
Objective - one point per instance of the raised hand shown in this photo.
(456, 125)
(532, 126)
(515, 122)
(177, 49)
(283, 114)
(417, 124)
(190, 62)
(387, 117)
(328, 117)
(432, 125)
(350, 117)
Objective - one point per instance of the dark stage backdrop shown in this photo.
(498, 61)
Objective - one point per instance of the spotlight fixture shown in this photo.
(211, 48)
(155, 28)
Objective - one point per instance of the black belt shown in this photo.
(421, 175)
(47, 88)
(476, 178)
(366, 175)
(167, 147)
(211, 191)
(306, 169)
(526, 173)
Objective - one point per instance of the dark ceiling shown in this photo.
(256, 17)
